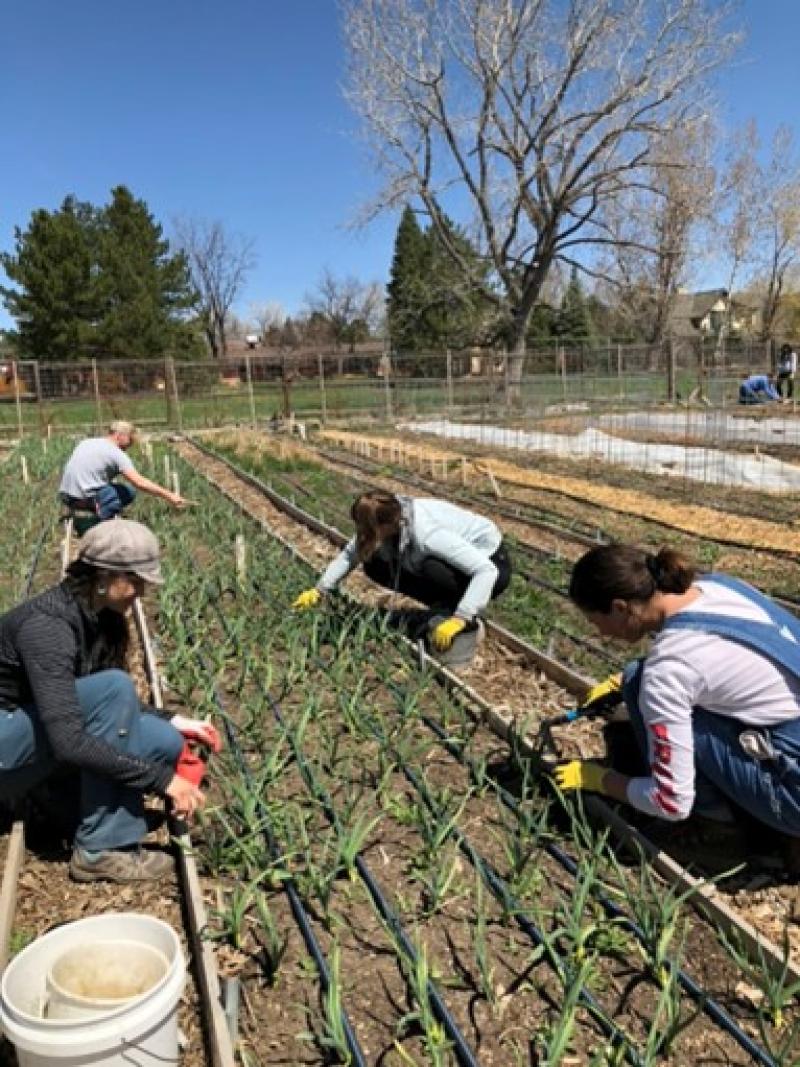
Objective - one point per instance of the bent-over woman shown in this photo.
(715, 704)
(444, 556)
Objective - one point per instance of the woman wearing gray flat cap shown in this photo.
(65, 699)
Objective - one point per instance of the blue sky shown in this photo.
(233, 111)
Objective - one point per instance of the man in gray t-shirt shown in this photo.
(88, 479)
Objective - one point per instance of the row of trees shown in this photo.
(91, 280)
(103, 281)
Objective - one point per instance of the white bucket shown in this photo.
(65, 999)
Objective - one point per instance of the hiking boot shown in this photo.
(120, 865)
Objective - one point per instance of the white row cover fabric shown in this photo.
(698, 464)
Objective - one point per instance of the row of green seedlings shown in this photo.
(328, 872)
(239, 847)
(534, 613)
(28, 484)
(438, 881)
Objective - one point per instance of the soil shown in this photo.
(526, 997)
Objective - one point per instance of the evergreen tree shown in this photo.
(143, 291)
(52, 302)
(98, 281)
(406, 291)
(574, 322)
(430, 306)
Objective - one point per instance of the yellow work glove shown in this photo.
(580, 774)
(443, 634)
(608, 692)
(309, 598)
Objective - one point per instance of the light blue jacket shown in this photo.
(431, 527)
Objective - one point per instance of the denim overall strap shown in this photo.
(778, 639)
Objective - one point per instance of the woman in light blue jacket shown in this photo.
(448, 558)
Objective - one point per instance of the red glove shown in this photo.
(190, 765)
(198, 730)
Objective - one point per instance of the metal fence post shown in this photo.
(670, 371)
(387, 392)
(17, 400)
(449, 356)
(620, 386)
(563, 351)
(250, 394)
(322, 396)
(37, 381)
(98, 418)
(172, 383)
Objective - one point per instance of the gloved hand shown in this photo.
(309, 598)
(191, 766)
(580, 774)
(442, 636)
(607, 693)
(198, 730)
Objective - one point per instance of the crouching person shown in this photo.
(442, 555)
(715, 704)
(64, 699)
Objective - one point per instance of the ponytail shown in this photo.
(377, 517)
(622, 572)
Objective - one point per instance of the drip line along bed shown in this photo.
(340, 768)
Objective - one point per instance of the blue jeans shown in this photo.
(768, 789)
(111, 499)
(112, 815)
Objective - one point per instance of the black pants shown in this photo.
(437, 584)
(788, 378)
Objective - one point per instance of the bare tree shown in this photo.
(267, 317)
(346, 306)
(778, 226)
(219, 263)
(738, 208)
(658, 229)
(538, 113)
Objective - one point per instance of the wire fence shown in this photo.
(38, 397)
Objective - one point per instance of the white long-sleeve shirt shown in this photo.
(437, 528)
(690, 668)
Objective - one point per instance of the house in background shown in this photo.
(712, 313)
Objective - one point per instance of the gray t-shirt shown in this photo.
(94, 463)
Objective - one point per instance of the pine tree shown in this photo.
(406, 291)
(574, 322)
(143, 291)
(52, 302)
(99, 282)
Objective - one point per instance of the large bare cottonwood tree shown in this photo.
(531, 116)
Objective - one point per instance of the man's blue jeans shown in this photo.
(112, 815)
(769, 789)
(112, 499)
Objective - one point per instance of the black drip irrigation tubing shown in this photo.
(710, 1006)
(463, 1051)
(295, 901)
(499, 888)
(714, 1010)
